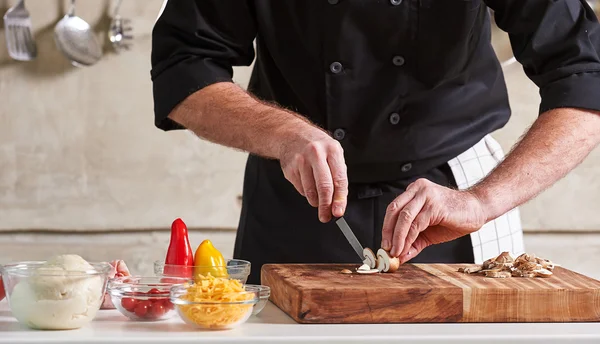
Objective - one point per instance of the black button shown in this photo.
(394, 118)
(398, 60)
(395, 2)
(339, 134)
(333, 2)
(335, 67)
(406, 167)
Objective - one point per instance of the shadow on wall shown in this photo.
(50, 61)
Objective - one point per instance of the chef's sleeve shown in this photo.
(196, 44)
(558, 44)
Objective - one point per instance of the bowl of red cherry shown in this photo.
(144, 298)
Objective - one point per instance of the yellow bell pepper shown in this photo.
(208, 259)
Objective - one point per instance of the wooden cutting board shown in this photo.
(428, 293)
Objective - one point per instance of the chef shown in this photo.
(381, 112)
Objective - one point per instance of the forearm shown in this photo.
(556, 143)
(226, 114)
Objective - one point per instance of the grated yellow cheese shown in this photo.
(211, 289)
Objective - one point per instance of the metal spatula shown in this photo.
(19, 36)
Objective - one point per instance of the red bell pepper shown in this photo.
(180, 257)
(2, 292)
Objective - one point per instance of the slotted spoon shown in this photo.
(19, 37)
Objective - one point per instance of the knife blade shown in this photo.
(350, 237)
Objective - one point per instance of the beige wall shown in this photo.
(79, 151)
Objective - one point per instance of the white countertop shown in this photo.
(274, 326)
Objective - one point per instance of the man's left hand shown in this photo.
(427, 214)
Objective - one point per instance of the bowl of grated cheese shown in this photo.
(213, 303)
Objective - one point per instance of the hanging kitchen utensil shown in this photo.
(19, 37)
(76, 40)
(119, 32)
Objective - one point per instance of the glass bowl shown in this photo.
(236, 269)
(46, 297)
(214, 314)
(263, 291)
(144, 298)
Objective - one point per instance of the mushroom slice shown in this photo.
(504, 258)
(528, 266)
(386, 263)
(542, 273)
(364, 267)
(525, 257)
(497, 274)
(488, 264)
(371, 271)
(517, 273)
(470, 269)
(546, 264)
(370, 258)
(503, 266)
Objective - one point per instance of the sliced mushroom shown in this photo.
(542, 273)
(497, 274)
(386, 263)
(529, 266)
(525, 257)
(517, 273)
(504, 258)
(363, 267)
(546, 264)
(371, 271)
(470, 269)
(488, 264)
(503, 266)
(370, 258)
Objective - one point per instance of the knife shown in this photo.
(350, 237)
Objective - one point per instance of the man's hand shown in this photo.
(311, 159)
(427, 214)
(314, 163)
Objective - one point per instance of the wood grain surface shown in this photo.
(428, 293)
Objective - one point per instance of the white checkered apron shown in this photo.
(504, 233)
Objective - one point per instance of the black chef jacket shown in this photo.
(404, 85)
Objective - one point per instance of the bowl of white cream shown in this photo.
(62, 293)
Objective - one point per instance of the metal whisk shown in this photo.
(119, 33)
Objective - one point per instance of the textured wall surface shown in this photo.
(79, 151)
(78, 147)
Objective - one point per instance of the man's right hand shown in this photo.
(310, 158)
(314, 163)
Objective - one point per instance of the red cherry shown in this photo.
(142, 308)
(129, 303)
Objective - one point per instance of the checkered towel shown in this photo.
(504, 233)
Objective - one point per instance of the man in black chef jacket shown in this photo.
(370, 109)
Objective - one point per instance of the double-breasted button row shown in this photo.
(336, 67)
(398, 60)
(339, 134)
